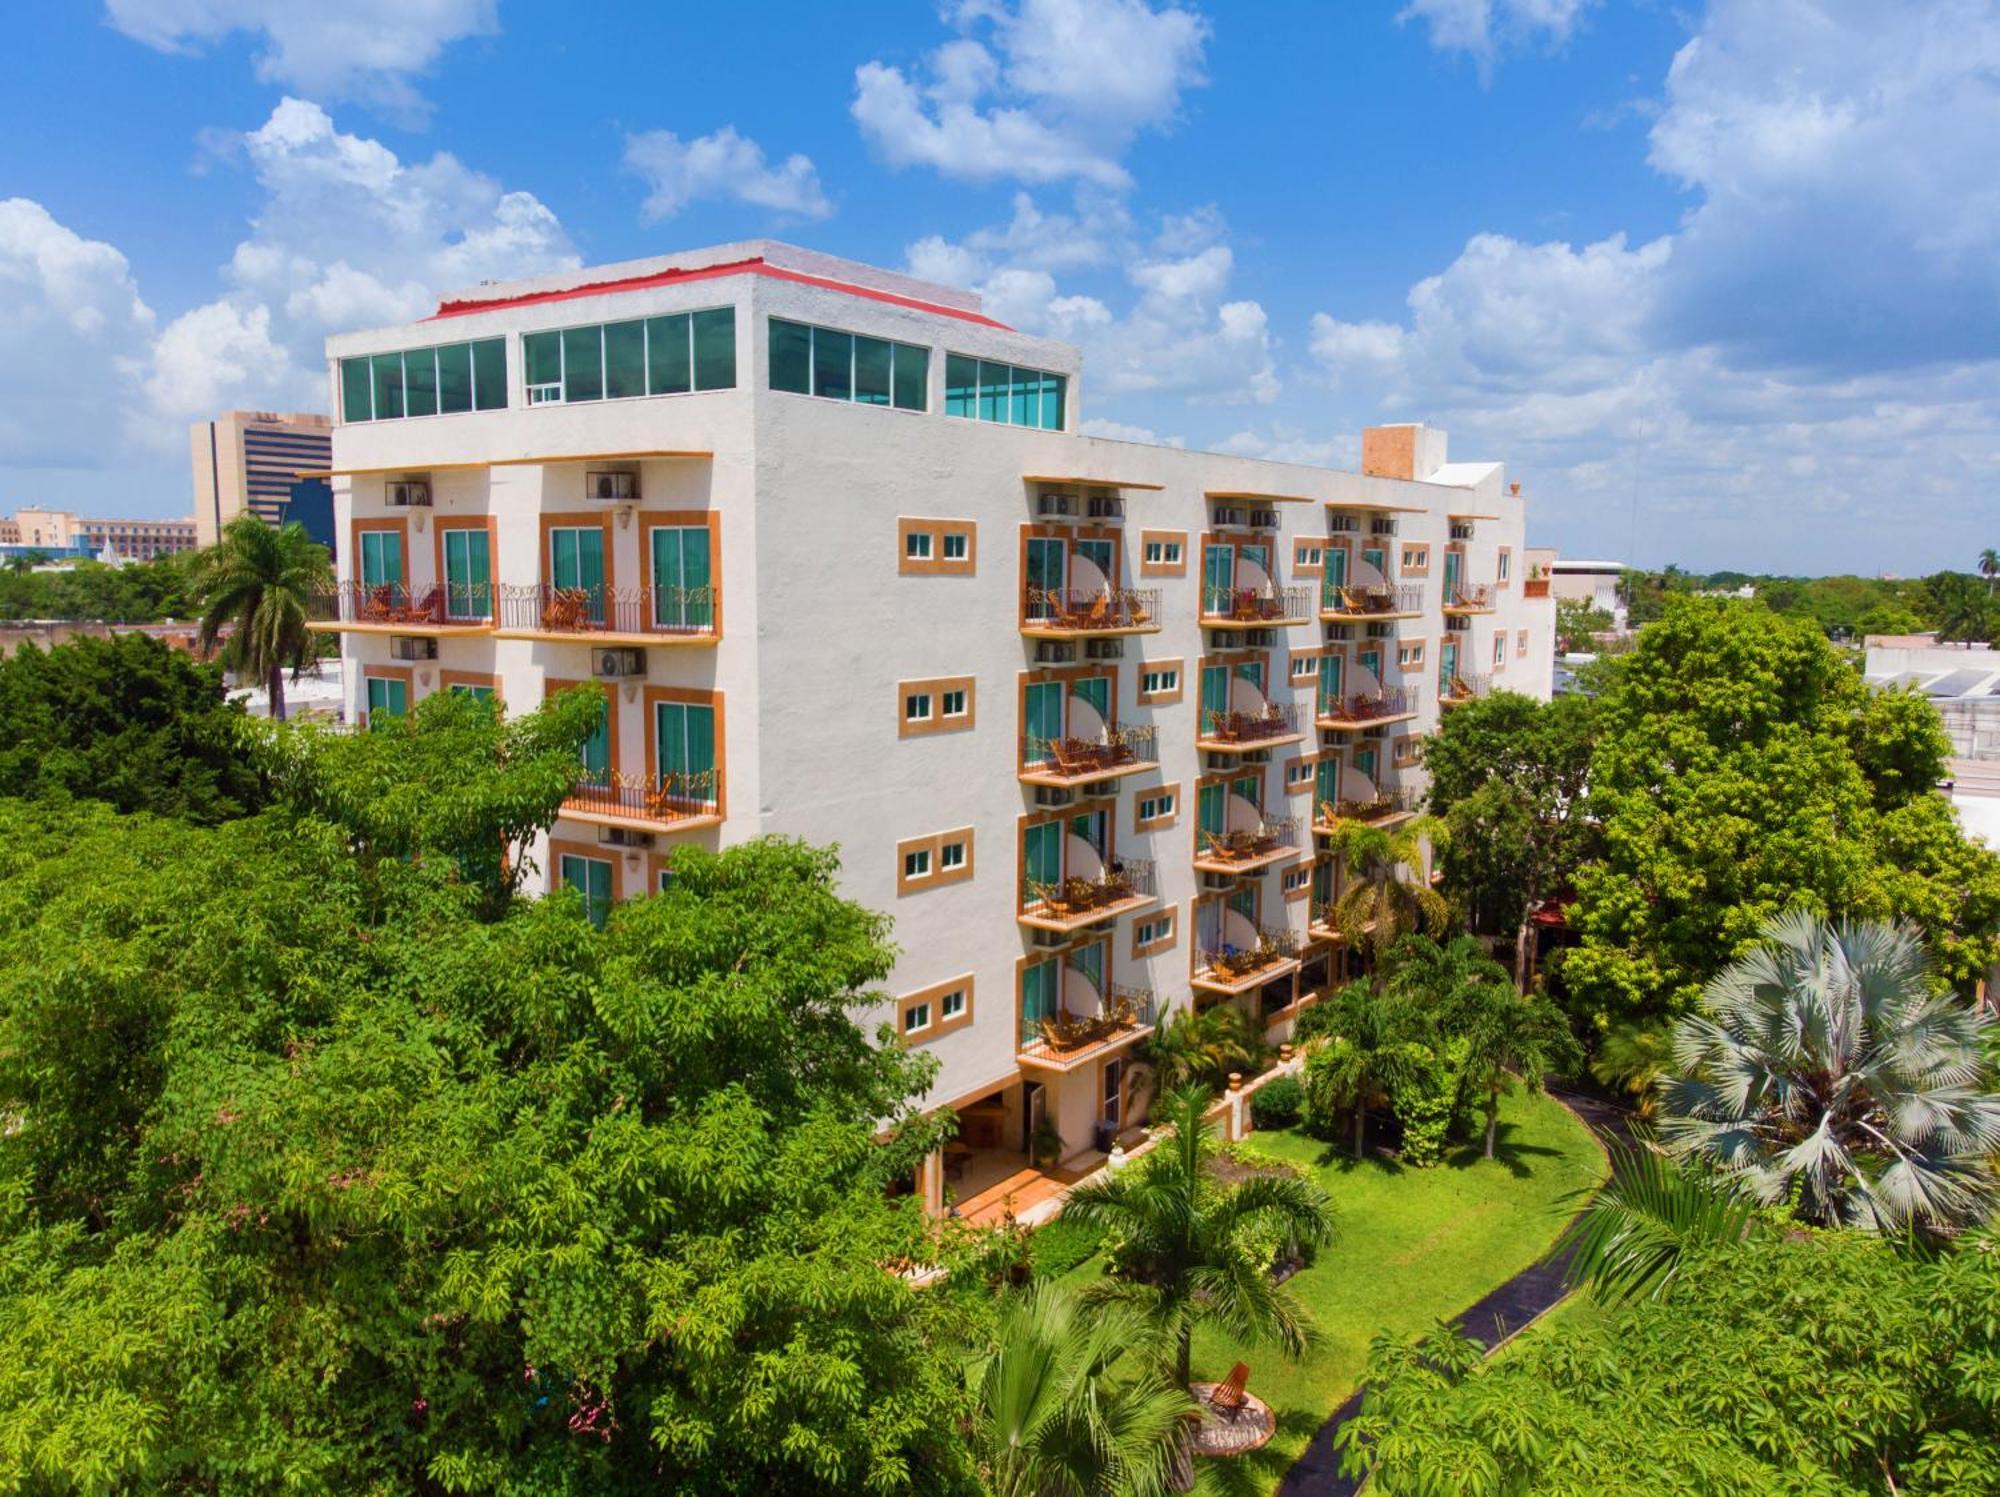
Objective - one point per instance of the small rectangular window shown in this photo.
(953, 704)
(715, 349)
(872, 361)
(1156, 551)
(917, 1018)
(1499, 648)
(624, 360)
(454, 365)
(1505, 558)
(917, 545)
(956, 545)
(917, 864)
(791, 357)
(833, 364)
(951, 855)
(1173, 553)
(952, 1005)
(917, 707)
(1521, 644)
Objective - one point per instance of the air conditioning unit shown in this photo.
(1339, 634)
(1104, 649)
(1457, 625)
(619, 661)
(1217, 883)
(1381, 631)
(1228, 514)
(1107, 507)
(408, 493)
(1342, 524)
(1046, 939)
(1381, 527)
(1099, 790)
(1053, 797)
(1264, 519)
(1226, 639)
(412, 647)
(1461, 530)
(619, 488)
(623, 836)
(1260, 639)
(1255, 756)
(1054, 652)
(1381, 732)
(1057, 506)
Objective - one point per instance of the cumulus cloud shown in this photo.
(724, 166)
(364, 50)
(1483, 29)
(1035, 91)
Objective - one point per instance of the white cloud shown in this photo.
(1058, 91)
(207, 359)
(365, 50)
(1283, 443)
(723, 165)
(1125, 431)
(1483, 29)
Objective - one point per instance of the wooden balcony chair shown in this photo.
(1231, 1396)
(378, 605)
(1050, 898)
(1134, 609)
(1096, 616)
(424, 608)
(1215, 848)
(1073, 756)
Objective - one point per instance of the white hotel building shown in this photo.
(830, 543)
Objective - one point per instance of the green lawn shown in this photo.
(1414, 1245)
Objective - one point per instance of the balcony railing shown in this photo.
(680, 796)
(1274, 837)
(1365, 600)
(1458, 690)
(1062, 1036)
(542, 609)
(1373, 706)
(1469, 597)
(1535, 587)
(1079, 758)
(1251, 606)
(1090, 612)
(392, 604)
(1276, 720)
(1232, 964)
(1079, 898)
(1385, 805)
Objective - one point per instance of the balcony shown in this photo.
(1321, 925)
(678, 802)
(1071, 1038)
(1100, 613)
(1458, 690)
(1266, 607)
(1078, 902)
(1373, 600)
(390, 608)
(1469, 598)
(1368, 709)
(1245, 730)
(609, 615)
(1248, 956)
(1371, 807)
(1068, 762)
(1248, 848)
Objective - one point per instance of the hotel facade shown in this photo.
(829, 542)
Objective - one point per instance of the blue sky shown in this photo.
(1721, 284)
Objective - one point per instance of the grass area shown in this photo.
(1414, 1246)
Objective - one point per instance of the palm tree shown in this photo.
(1989, 568)
(1374, 1048)
(1634, 1233)
(1509, 1038)
(1379, 903)
(257, 579)
(1203, 1047)
(1825, 1066)
(1633, 1059)
(1196, 1249)
(1056, 1417)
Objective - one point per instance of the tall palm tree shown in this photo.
(1989, 568)
(1825, 1067)
(1380, 904)
(1511, 1039)
(1058, 1417)
(1195, 1248)
(257, 579)
(1375, 1047)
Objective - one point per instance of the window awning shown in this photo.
(1089, 483)
(1244, 496)
(510, 462)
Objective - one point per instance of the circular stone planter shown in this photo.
(1248, 1429)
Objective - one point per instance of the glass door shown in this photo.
(682, 598)
(1329, 684)
(1045, 720)
(684, 745)
(1042, 862)
(576, 564)
(597, 747)
(1214, 698)
(1047, 563)
(1218, 576)
(1452, 562)
(590, 877)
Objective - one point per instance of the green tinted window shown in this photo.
(961, 385)
(420, 387)
(357, 395)
(669, 371)
(624, 360)
(454, 369)
(1027, 400)
(1003, 393)
(388, 385)
(913, 372)
(543, 353)
(583, 363)
(872, 360)
(791, 357)
(1053, 386)
(489, 374)
(715, 349)
(995, 383)
(833, 364)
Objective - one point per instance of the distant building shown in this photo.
(1593, 582)
(1961, 680)
(61, 533)
(249, 460)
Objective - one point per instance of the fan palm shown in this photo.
(1387, 896)
(256, 581)
(1633, 1059)
(1634, 1234)
(1825, 1067)
(1057, 1417)
(1196, 1249)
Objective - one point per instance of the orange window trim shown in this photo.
(675, 519)
(552, 684)
(356, 527)
(692, 698)
(491, 525)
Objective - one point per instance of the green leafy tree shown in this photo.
(1632, 1058)
(1824, 1070)
(1578, 620)
(1387, 894)
(1888, 618)
(325, 1181)
(1958, 608)
(1509, 778)
(126, 720)
(1062, 1413)
(257, 583)
(1195, 1249)
(145, 592)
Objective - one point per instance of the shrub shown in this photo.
(1278, 1103)
(1057, 1248)
(1426, 1101)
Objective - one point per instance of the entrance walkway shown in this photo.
(1531, 1292)
(1016, 1195)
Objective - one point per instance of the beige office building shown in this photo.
(249, 460)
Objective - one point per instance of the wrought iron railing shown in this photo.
(676, 796)
(1076, 898)
(542, 609)
(1116, 608)
(1383, 805)
(1459, 689)
(1121, 1011)
(1274, 835)
(1371, 706)
(1274, 720)
(1119, 748)
(1251, 606)
(1366, 599)
(391, 603)
(1231, 963)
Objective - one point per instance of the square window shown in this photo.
(1173, 552)
(1298, 772)
(1156, 551)
(917, 864)
(953, 704)
(917, 545)
(916, 1018)
(957, 545)
(952, 1005)
(917, 707)
(951, 855)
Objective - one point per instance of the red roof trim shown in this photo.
(756, 266)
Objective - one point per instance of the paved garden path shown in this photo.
(1529, 1293)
